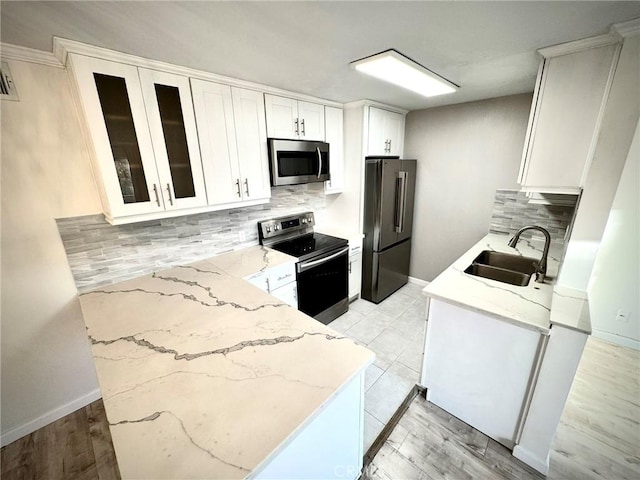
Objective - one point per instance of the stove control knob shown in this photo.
(268, 229)
(277, 227)
(304, 220)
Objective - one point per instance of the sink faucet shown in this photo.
(541, 268)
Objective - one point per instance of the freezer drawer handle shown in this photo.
(303, 266)
(401, 203)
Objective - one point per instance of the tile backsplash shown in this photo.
(102, 254)
(513, 210)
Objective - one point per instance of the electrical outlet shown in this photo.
(622, 315)
(241, 236)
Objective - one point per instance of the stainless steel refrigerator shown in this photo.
(388, 218)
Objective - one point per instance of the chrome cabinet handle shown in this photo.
(319, 162)
(296, 127)
(155, 190)
(349, 267)
(389, 145)
(246, 186)
(303, 131)
(169, 193)
(238, 188)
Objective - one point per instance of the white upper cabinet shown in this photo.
(294, 119)
(568, 104)
(251, 137)
(334, 135)
(233, 142)
(142, 126)
(113, 106)
(173, 135)
(386, 132)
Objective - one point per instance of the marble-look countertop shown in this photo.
(570, 309)
(528, 306)
(204, 375)
(250, 261)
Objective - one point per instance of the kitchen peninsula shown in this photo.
(203, 375)
(502, 357)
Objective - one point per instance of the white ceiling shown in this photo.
(488, 48)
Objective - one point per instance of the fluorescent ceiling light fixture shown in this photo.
(393, 67)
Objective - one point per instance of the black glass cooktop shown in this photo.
(310, 245)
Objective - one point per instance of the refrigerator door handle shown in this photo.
(401, 204)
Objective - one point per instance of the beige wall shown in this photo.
(47, 367)
(465, 152)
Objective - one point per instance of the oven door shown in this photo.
(323, 285)
(298, 161)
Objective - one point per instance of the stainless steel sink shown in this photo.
(503, 267)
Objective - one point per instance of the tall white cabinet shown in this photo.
(142, 126)
(568, 103)
(232, 132)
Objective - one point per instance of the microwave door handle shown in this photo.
(303, 266)
(319, 162)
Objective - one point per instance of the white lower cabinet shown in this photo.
(330, 446)
(355, 267)
(279, 281)
(232, 134)
(479, 368)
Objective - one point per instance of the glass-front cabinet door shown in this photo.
(114, 110)
(172, 125)
(143, 130)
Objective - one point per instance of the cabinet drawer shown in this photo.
(281, 275)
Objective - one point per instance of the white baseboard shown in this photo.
(617, 339)
(418, 281)
(49, 417)
(532, 460)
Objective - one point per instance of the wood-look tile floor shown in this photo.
(598, 437)
(77, 446)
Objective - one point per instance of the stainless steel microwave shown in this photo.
(298, 161)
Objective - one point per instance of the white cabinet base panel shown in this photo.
(478, 368)
(330, 446)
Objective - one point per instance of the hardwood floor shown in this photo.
(77, 446)
(598, 437)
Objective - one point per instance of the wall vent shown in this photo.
(7, 87)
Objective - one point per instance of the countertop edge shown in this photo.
(497, 316)
(295, 433)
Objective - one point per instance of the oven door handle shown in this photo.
(304, 266)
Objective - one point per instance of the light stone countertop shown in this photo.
(250, 261)
(570, 309)
(528, 306)
(204, 375)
